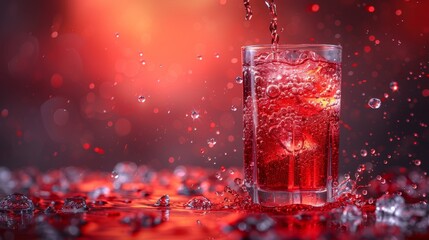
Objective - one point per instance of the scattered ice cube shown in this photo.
(126, 172)
(374, 103)
(74, 205)
(392, 210)
(16, 203)
(100, 191)
(143, 220)
(351, 213)
(163, 201)
(252, 224)
(199, 202)
(388, 204)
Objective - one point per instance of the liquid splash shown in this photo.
(94, 206)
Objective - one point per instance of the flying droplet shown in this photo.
(117, 35)
(217, 55)
(239, 80)
(363, 153)
(199, 57)
(141, 99)
(417, 162)
(374, 103)
(233, 108)
(195, 115)
(211, 142)
(394, 86)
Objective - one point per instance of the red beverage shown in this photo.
(291, 133)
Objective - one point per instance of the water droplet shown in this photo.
(374, 103)
(143, 62)
(163, 201)
(239, 80)
(273, 91)
(233, 108)
(16, 203)
(195, 115)
(363, 153)
(417, 162)
(199, 57)
(117, 35)
(114, 175)
(394, 86)
(211, 142)
(141, 99)
(217, 55)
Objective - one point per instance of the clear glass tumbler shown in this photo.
(291, 105)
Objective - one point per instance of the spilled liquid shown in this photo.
(192, 203)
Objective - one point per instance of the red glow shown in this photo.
(99, 150)
(398, 12)
(371, 9)
(367, 49)
(371, 38)
(4, 113)
(54, 34)
(315, 7)
(56, 80)
(425, 92)
(212, 124)
(19, 133)
(86, 146)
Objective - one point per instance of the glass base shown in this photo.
(283, 198)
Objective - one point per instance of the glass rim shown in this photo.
(292, 46)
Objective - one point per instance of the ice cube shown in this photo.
(388, 204)
(199, 202)
(16, 203)
(74, 205)
(163, 201)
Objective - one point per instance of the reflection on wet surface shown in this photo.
(191, 203)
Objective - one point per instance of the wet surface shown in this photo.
(191, 203)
